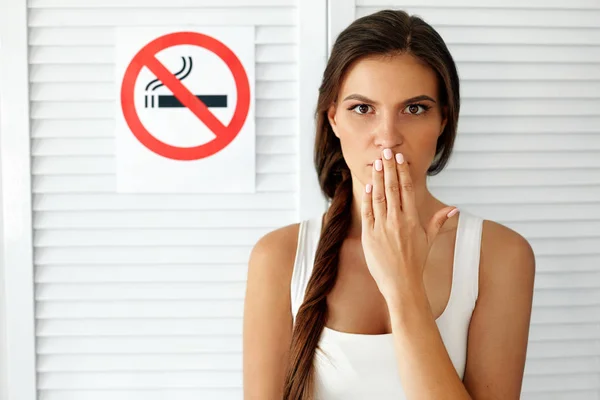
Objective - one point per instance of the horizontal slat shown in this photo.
(233, 326)
(517, 35)
(98, 128)
(140, 291)
(568, 315)
(562, 365)
(104, 36)
(553, 226)
(530, 90)
(148, 273)
(540, 216)
(582, 294)
(558, 332)
(288, 108)
(106, 54)
(265, 145)
(526, 53)
(108, 109)
(141, 16)
(524, 126)
(121, 201)
(563, 142)
(143, 255)
(574, 348)
(157, 3)
(147, 237)
(565, 247)
(521, 107)
(515, 159)
(548, 284)
(86, 165)
(140, 309)
(226, 393)
(135, 379)
(568, 263)
(102, 363)
(162, 219)
(150, 362)
(562, 382)
(561, 395)
(520, 177)
(78, 91)
(518, 195)
(526, 72)
(89, 73)
(265, 183)
(533, 4)
(137, 327)
(517, 17)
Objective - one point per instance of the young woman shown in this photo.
(392, 294)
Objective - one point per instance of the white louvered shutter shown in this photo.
(140, 297)
(528, 156)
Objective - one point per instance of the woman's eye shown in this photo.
(414, 108)
(361, 108)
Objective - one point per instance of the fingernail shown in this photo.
(387, 153)
(378, 165)
(399, 158)
(368, 188)
(452, 213)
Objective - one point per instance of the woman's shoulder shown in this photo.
(504, 252)
(272, 256)
(277, 245)
(497, 238)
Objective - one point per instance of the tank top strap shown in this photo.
(467, 256)
(309, 234)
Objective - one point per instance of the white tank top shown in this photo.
(353, 366)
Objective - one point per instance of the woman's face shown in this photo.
(388, 102)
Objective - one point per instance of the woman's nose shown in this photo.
(387, 134)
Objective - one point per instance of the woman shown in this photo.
(392, 294)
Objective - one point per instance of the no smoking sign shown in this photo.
(185, 119)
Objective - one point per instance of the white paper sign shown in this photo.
(185, 110)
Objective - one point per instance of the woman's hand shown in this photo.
(395, 244)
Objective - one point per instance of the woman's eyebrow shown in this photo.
(360, 97)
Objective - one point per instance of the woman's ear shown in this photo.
(444, 119)
(332, 121)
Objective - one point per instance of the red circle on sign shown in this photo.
(146, 58)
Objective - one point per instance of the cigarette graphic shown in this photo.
(168, 101)
(152, 100)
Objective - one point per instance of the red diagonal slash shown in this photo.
(183, 94)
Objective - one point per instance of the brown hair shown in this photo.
(386, 32)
